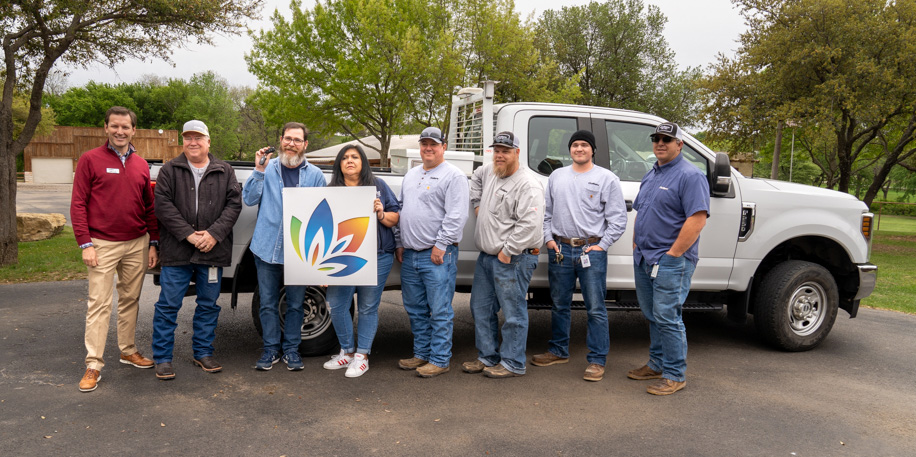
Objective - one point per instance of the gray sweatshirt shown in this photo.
(582, 205)
(511, 214)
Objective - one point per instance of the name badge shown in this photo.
(212, 276)
(113, 170)
(585, 260)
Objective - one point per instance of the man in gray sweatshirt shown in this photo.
(585, 214)
(509, 204)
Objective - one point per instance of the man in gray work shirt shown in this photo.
(509, 204)
(585, 214)
(434, 208)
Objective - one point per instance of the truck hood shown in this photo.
(802, 193)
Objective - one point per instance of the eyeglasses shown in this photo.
(296, 141)
(663, 138)
(193, 139)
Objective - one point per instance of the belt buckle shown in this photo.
(576, 242)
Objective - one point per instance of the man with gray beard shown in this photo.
(509, 203)
(265, 187)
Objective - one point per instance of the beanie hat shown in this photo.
(583, 135)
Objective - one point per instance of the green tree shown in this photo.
(208, 99)
(37, 34)
(85, 106)
(496, 44)
(620, 56)
(843, 67)
(353, 64)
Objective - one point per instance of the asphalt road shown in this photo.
(44, 198)
(852, 396)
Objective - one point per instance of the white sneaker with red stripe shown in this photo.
(358, 366)
(338, 361)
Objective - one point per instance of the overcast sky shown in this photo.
(696, 31)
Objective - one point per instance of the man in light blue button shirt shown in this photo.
(265, 187)
(434, 208)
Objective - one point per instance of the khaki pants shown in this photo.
(129, 260)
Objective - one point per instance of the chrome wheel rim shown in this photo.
(806, 308)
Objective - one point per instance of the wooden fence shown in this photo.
(71, 142)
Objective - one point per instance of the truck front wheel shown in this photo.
(795, 305)
(318, 336)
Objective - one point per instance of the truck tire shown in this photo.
(318, 336)
(795, 305)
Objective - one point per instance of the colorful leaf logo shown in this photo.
(319, 233)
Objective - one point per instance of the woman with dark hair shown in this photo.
(351, 168)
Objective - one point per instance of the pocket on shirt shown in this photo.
(591, 196)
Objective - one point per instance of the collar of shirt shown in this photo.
(130, 150)
(670, 164)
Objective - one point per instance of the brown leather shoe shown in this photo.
(665, 387)
(644, 372)
(498, 372)
(547, 358)
(594, 372)
(411, 364)
(136, 359)
(208, 364)
(475, 366)
(429, 370)
(164, 371)
(90, 380)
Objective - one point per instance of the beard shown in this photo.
(292, 161)
(505, 169)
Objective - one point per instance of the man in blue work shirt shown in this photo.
(434, 208)
(585, 214)
(671, 210)
(265, 187)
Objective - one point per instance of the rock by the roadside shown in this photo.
(39, 226)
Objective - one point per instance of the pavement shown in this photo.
(852, 396)
(44, 198)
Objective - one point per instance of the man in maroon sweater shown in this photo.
(113, 220)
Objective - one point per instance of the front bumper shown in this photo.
(868, 276)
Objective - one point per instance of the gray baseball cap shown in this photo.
(195, 126)
(432, 133)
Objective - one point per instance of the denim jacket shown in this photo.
(266, 188)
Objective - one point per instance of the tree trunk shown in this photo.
(9, 242)
(777, 150)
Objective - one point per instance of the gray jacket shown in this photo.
(511, 211)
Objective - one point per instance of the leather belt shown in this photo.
(534, 251)
(575, 242)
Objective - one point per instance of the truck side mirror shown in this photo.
(721, 179)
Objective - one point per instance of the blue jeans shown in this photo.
(270, 281)
(593, 283)
(367, 301)
(498, 285)
(174, 282)
(427, 290)
(662, 300)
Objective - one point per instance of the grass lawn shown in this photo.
(56, 259)
(894, 252)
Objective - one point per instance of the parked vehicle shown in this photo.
(789, 254)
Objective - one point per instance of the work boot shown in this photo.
(665, 387)
(411, 364)
(429, 370)
(547, 358)
(594, 372)
(475, 366)
(644, 372)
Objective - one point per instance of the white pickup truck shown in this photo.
(789, 254)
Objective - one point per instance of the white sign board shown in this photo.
(329, 236)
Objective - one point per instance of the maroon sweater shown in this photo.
(112, 201)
